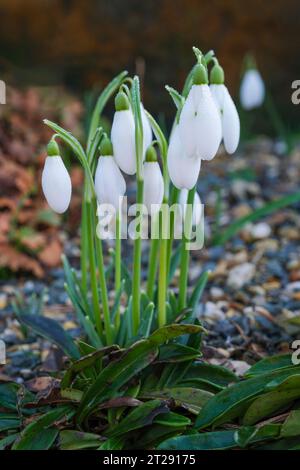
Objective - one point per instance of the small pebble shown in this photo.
(240, 275)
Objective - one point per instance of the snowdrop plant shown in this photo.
(56, 181)
(252, 91)
(165, 174)
(135, 380)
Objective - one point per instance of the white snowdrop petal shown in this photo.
(218, 92)
(183, 171)
(252, 91)
(153, 187)
(229, 117)
(208, 124)
(56, 184)
(123, 140)
(110, 185)
(147, 131)
(187, 124)
(231, 124)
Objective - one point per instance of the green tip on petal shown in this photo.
(52, 149)
(200, 75)
(250, 62)
(121, 102)
(151, 154)
(106, 148)
(217, 75)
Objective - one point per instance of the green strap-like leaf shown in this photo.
(218, 440)
(51, 330)
(230, 402)
(138, 418)
(75, 440)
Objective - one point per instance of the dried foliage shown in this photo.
(29, 236)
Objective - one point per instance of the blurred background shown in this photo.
(55, 55)
(82, 44)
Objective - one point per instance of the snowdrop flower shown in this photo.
(183, 171)
(56, 181)
(229, 115)
(110, 185)
(200, 124)
(252, 91)
(123, 134)
(153, 182)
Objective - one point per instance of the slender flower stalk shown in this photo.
(153, 261)
(118, 256)
(153, 196)
(93, 270)
(185, 254)
(137, 257)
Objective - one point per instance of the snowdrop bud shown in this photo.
(229, 116)
(183, 171)
(153, 182)
(56, 181)
(110, 185)
(123, 135)
(200, 123)
(252, 91)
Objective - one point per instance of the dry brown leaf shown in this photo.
(51, 254)
(16, 261)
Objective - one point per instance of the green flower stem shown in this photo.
(173, 200)
(137, 257)
(162, 277)
(104, 295)
(136, 288)
(102, 279)
(185, 254)
(153, 261)
(163, 253)
(84, 249)
(277, 121)
(118, 265)
(93, 271)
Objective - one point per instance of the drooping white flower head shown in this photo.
(228, 112)
(56, 181)
(153, 182)
(110, 185)
(200, 124)
(183, 171)
(252, 91)
(123, 134)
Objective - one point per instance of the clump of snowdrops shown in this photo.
(136, 379)
(165, 173)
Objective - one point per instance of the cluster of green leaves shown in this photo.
(157, 393)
